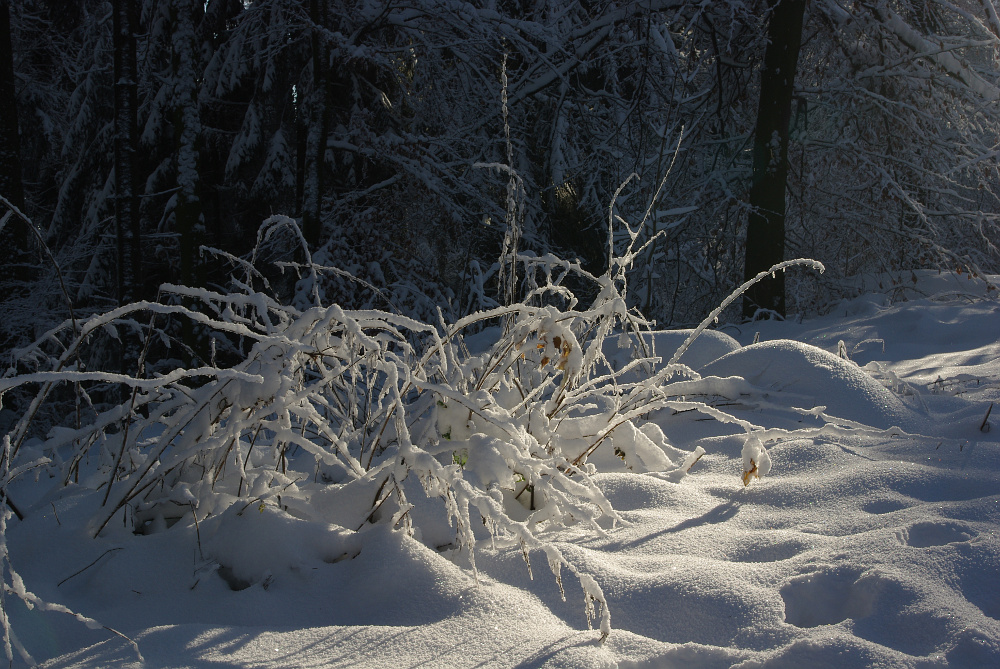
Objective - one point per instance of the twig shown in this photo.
(110, 550)
(197, 532)
(985, 425)
(377, 504)
(131, 408)
(129, 639)
(13, 507)
(27, 221)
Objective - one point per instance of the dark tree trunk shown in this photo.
(14, 239)
(126, 142)
(187, 136)
(765, 244)
(312, 205)
(10, 141)
(301, 148)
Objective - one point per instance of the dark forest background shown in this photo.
(135, 133)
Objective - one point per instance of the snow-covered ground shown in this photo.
(870, 545)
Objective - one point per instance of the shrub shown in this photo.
(303, 410)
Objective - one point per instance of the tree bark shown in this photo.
(187, 135)
(312, 205)
(765, 245)
(15, 238)
(11, 186)
(126, 142)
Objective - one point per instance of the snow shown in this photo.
(873, 542)
(817, 378)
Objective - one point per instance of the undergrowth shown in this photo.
(285, 401)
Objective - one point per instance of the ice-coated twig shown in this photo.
(711, 318)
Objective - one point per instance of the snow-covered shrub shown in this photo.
(341, 404)
(330, 416)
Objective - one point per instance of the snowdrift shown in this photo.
(865, 545)
(806, 377)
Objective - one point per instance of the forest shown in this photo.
(330, 259)
(137, 132)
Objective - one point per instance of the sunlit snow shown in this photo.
(872, 542)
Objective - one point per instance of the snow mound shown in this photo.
(252, 543)
(818, 378)
(710, 345)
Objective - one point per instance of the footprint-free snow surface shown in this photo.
(872, 544)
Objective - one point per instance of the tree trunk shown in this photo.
(126, 140)
(10, 142)
(188, 218)
(187, 135)
(765, 244)
(14, 240)
(301, 149)
(312, 205)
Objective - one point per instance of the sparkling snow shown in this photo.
(874, 545)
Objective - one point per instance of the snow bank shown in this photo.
(857, 550)
(813, 378)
